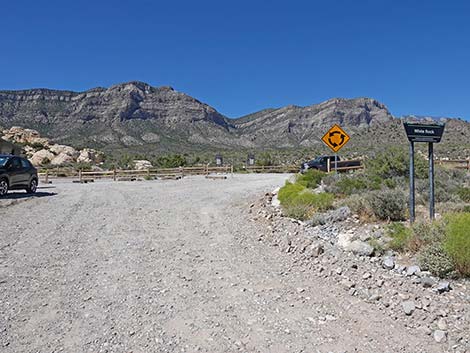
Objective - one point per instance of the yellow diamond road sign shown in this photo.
(335, 138)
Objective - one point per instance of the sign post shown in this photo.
(335, 139)
(430, 133)
(431, 180)
(412, 181)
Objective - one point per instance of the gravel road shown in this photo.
(168, 266)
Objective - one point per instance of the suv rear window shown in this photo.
(25, 163)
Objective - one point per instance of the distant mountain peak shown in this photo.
(135, 115)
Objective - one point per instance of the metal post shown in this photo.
(431, 180)
(412, 182)
(336, 163)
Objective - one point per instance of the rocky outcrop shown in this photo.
(24, 136)
(41, 151)
(42, 157)
(142, 165)
(90, 156)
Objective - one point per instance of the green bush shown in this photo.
(289, 191)
(310, 179)
(171, 161)
(433, 258)
(298, 202)
(395, 162)
(400, 236)
(464, 194)
(457, 242)
(388, 204)
(347, 185)
(358, 205)
(442, 247)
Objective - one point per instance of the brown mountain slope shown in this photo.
(135, 116)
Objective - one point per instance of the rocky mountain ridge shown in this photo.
(137, 116)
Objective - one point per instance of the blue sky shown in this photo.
(243, 56)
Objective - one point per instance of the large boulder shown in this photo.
(25, 136)
(142, 164)
(88, 155)
(62, 158)
(62, 149)
(42, 157)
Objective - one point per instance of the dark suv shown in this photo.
(17, 173)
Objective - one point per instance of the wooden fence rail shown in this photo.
(455, 163)
(47, 174)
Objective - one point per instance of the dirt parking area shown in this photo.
(168, 266)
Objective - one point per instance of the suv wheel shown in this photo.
(33, 186)
(3, 187)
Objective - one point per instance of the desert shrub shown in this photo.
(457, 241)
(400, 236)
(388, 204)
(378, 247)
(395, 162)
(298, 202)
(390, 183)
(289, 191)
(358, 205)
(425, 234)
(171, 161)
(36, 145)
(464, 194)
(349, 184)
(433, 258)
(310, 179)
(265, 159)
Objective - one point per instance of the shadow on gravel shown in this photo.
(23, 195)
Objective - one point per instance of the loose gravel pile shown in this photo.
(177, 266)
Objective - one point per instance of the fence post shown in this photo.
(231, 169)
(80, 175)
(47, 176)
(114, 174)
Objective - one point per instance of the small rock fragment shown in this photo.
(408, 307)
(427, 282)
(440, 336)
(388, 263)
(443, 287)
(412, 270)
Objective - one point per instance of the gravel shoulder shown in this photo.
(170, 266)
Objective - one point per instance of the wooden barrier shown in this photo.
(455, 163)
(289, 169)
(124, 174)
(272, 169)
(163, 173)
